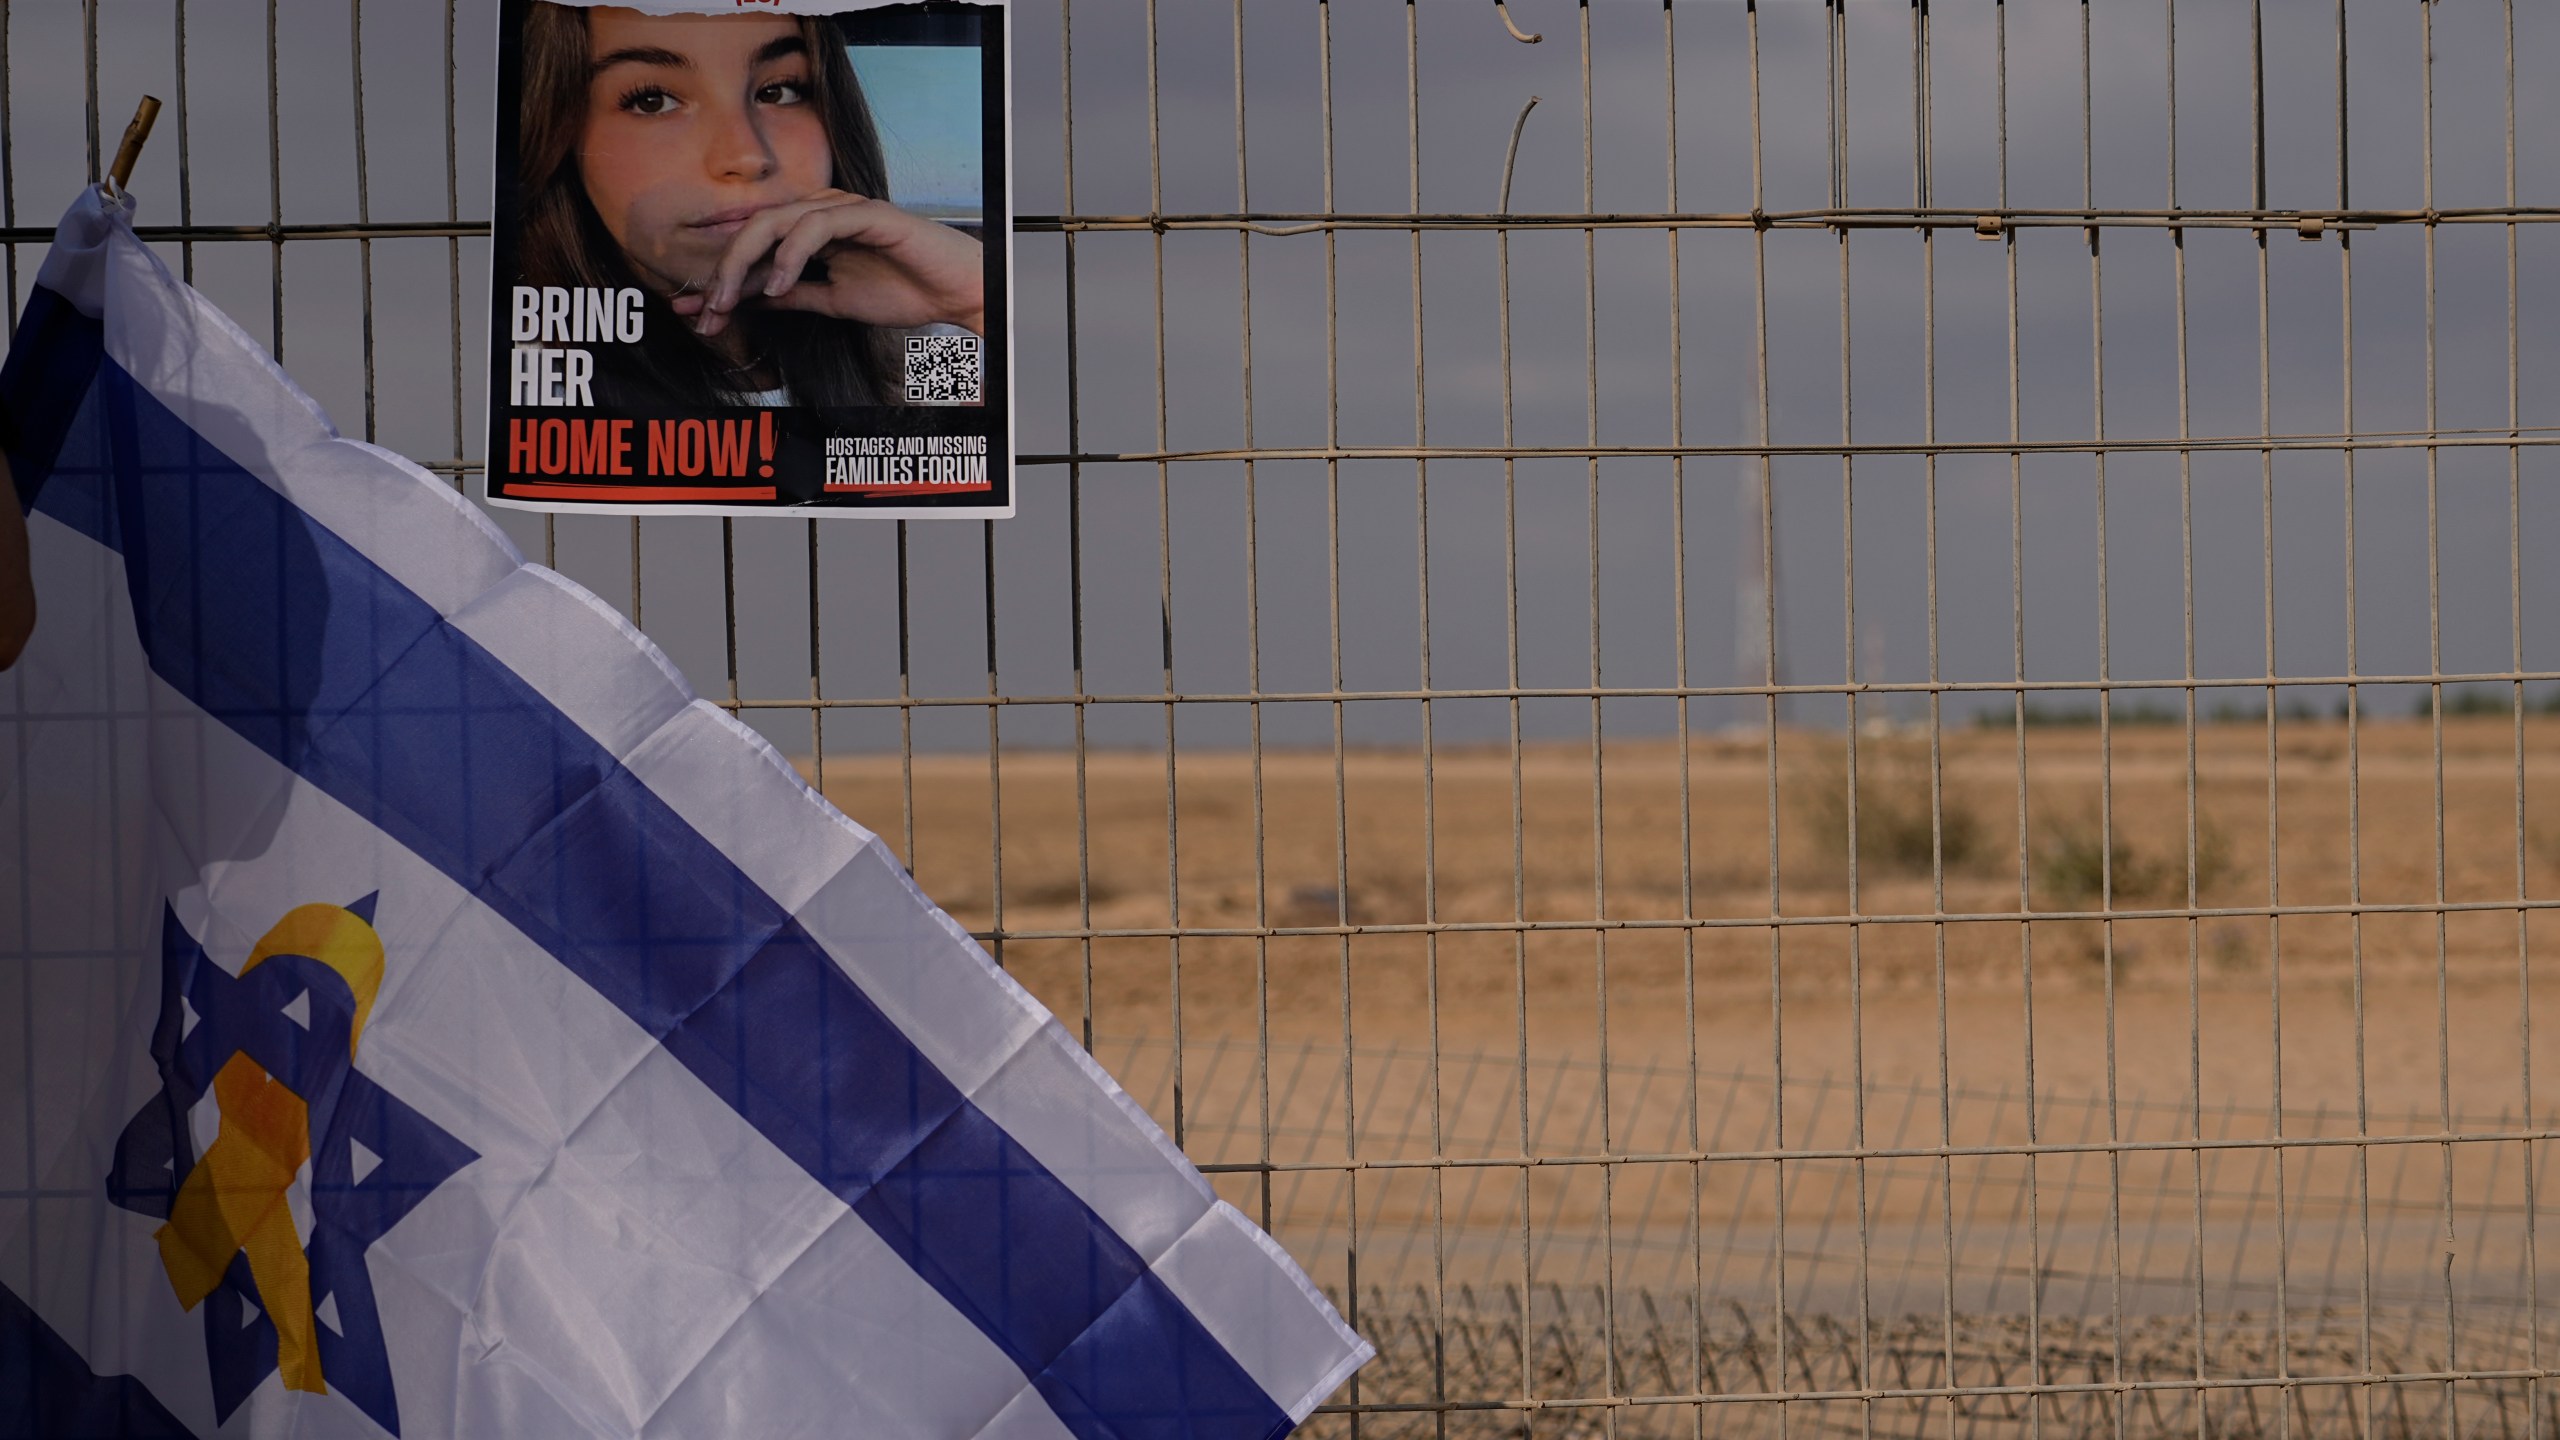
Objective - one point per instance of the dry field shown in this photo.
(1920, 1011)
(1368, 844)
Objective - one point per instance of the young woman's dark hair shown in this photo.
(560, 240)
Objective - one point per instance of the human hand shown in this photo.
(877, 264)
(17, 587)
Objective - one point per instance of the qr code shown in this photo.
(945, 370)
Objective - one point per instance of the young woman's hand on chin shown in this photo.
(880, 265)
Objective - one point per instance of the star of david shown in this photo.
(281, 1285)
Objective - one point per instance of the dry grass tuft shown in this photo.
(1909, 819)
(2075, 871)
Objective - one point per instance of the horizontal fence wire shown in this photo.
(1673, 861)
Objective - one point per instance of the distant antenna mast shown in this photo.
(1755, 658)
(1750, 588)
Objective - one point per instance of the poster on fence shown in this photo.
(752, 257)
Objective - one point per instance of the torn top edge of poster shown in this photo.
(734, 7)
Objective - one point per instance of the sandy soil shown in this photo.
(1292, 880)
(1374, 839)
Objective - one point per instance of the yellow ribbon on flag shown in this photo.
(235, 1199)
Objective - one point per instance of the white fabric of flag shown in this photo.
(425, 1017)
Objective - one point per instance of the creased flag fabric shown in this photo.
(423, 1016)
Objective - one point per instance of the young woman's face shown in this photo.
(694, 123)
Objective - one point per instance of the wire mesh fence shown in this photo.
(1838, 731)
(1961, 1306)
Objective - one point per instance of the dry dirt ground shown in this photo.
(1372, 839)
(1305, 1016)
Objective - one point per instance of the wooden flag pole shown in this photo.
(131, 150)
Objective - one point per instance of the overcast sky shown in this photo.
(1474, 78)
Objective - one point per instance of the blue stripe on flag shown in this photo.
(47, 1392)
(46, 373)
(296, 640)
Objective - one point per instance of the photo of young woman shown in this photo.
(728, 167)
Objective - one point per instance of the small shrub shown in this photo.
(2073, 867)
(1894, 829)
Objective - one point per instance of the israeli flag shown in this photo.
(420, 1015)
